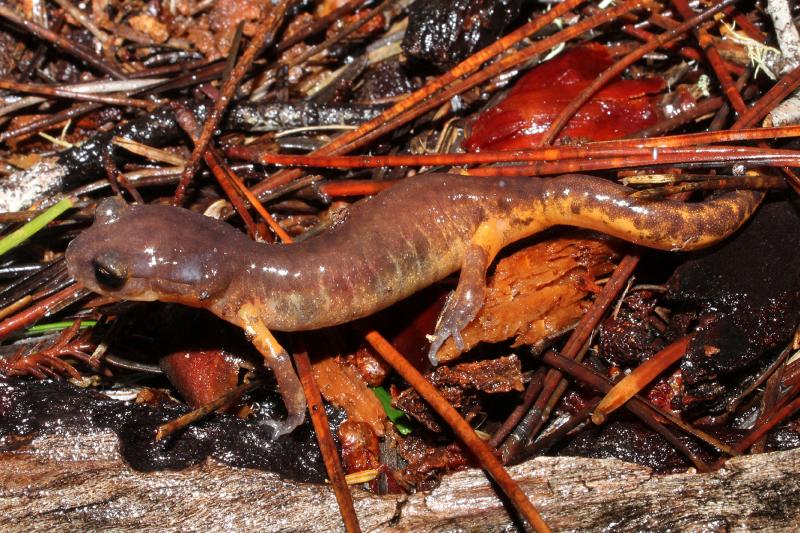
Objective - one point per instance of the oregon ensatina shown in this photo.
(384, 249)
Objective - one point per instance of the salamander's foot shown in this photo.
(452, 320)
(285, 426)
(462, 305)
(277, 360)
(291, 391)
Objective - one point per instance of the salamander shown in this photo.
(384, 249)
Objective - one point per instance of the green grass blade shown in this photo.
(397, 416)
(58, 326)
(24, 233)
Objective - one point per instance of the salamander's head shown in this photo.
(153, 252)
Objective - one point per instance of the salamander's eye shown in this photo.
(110, 270)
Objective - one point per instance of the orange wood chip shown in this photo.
(343, 387)
(538, 291)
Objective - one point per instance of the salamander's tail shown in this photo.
(599, 204)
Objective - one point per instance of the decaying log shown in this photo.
(77, 482)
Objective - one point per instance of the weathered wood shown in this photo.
(76, 482)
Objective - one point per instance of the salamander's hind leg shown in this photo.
(464, 303)
(276, 359)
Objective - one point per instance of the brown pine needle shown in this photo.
(780, 416)
(264, 36)
(168, 428)
(630, 385)
(326, 444)
(41, 308)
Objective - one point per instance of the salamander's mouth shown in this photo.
(172, 291)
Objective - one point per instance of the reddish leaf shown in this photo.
(621, 108)
(200, 376)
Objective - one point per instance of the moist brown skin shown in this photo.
(384, 250)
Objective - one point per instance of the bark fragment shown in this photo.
(538, 292)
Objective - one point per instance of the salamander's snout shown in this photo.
(100, 269)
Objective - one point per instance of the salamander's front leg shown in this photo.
(276, 359)
(464, 303)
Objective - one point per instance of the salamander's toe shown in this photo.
(459, 310)
(286, 426)
(433, 351)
